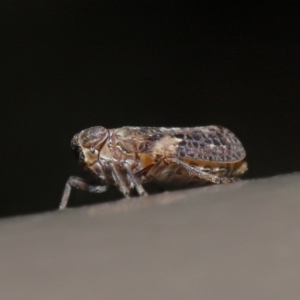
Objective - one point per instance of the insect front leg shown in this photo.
(81, 184)
(199, 173)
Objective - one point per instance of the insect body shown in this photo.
(130, 156)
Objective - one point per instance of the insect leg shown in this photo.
(230, 179)
(81, 184)
(119, 180)
(135, 181)
(199, 173)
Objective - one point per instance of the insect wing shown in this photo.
(211, 143)
(207, 143)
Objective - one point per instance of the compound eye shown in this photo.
(93, 151)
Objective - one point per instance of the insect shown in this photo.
(128, 157)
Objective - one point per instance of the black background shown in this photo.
(69, 65)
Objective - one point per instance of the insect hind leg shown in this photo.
(81, 184)
(200, 173)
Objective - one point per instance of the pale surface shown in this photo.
(237, 241)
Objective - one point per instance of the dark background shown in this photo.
(69, 65)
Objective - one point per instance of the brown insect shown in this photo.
(128, 157)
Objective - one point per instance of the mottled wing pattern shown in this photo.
(207, 143)
(210, 143)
